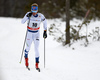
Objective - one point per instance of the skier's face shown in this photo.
(34, 10)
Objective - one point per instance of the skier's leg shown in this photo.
(28, 44)
(36, 46)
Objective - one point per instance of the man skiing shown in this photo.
(34, 19)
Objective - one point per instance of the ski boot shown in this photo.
(26, 63)
(37, 63)
(26, 60)
(37, 68)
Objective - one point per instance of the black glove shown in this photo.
(29, 14)
(45, 34)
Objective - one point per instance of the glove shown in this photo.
(45, 34)
(29, 14)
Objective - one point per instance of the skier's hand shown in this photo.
(45, 34)
(29, 14)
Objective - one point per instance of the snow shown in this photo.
(62, 62)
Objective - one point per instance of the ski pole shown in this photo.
(44, 52)
(24, 42)
(23, 47)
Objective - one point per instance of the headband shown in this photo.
(34, 8)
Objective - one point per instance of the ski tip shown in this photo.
(28, 68)
(38, 69)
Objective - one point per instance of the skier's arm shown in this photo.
(26, 17)
(45, 26)
(44, 22)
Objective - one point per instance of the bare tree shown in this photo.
(67, 22)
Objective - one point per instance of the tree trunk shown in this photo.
(67, 22)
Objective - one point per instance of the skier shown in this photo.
(33, 25)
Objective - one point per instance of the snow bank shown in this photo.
(62, 63)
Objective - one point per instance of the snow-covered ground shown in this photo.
(62, 62)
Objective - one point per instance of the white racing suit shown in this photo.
(33, 25)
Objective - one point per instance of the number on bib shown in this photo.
(34, 24)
